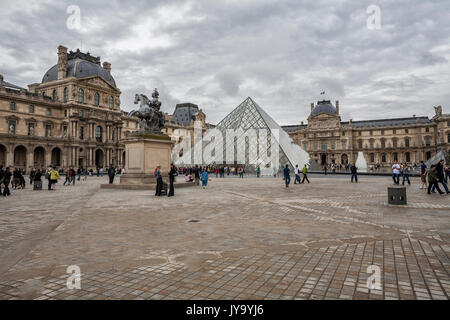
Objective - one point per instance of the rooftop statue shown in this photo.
(150, 117)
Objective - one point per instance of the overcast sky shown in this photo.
(217, 53)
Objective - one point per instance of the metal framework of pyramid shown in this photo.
(249, 115)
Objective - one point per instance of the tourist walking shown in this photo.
(441, 175)
(354, 172)
(67, 178)
(54, 177)
(111, 174)
(6, 181)
(172, 174)
(433, 180)
(205, 179)
(297, 175)
(287, 175)
(37, 182)
(159, 181)
(423, 175)
(396, 172)
(305, 174)
(197, 175)
(258, 172)
(32, 173)
(405, 173)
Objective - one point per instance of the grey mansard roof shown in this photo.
(388, 122)
(79, 68)
(184, 113)
(323, 107)
(372, 123)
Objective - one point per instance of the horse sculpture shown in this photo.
(150, 117)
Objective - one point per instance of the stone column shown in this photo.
(30, 159)
(48, 158)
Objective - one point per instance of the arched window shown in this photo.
(96, 99)
(111, 102)
(372, 158)
(81, 95)
(408, 157)
(383, 157)
(66, 94)
(99, 134)
(54, 95)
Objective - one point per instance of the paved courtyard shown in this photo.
(238, 239)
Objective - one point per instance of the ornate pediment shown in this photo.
(96, 81)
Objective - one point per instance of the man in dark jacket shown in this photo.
(441, 176)
(6, 181)
(354, 172)
(287, 176)
(433, 180)
(111, 174)
(173, 172)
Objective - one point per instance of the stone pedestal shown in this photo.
(144, 152)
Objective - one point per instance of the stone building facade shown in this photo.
(72, 118)
(328, 139)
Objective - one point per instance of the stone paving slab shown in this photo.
(238, 239)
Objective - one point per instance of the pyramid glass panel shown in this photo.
(247, 126)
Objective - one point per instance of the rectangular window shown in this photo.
(344, 145)
(333, 145)
(31, 129)
(48, 130)
(406, 130)
(324, 146)
(427, 129)
(12, 127)
(31, 109)
(48, 112)
(394, 131)
(81, 133)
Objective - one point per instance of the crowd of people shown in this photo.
(431, 178)
(15, 177)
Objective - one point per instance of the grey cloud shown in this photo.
(282, 53)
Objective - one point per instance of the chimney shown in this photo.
(337, 106)
(312, 106)
(62, 62)
(107, 66)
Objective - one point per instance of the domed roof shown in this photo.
(324, 106)
(79, 68)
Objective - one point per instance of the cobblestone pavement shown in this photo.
(238, 239)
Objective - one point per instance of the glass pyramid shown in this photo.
(257, 141)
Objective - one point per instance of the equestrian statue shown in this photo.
(150, 117)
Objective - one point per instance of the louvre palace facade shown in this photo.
(328, 139)
(72, 118)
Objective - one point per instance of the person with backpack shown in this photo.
(433, 180)
(406, 169)
(53, 178)
(305, 174)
